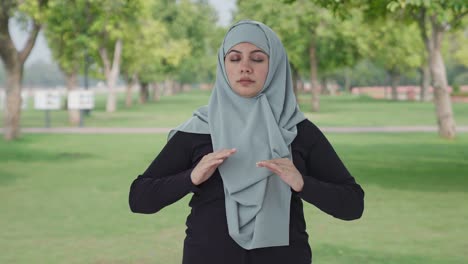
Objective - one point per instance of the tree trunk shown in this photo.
(314, 77)
(168, 87)
(425, 81)
(394, 81)
(13, 62)
(156, 92)
(177, 87)
(347, 80)
(442, 99)
(72, 81)
(324, 88)
(112, 73)
(131, 81)
(12, 112)
(144, 93)
(425, 67)
(300, 85)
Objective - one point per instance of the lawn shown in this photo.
(64, 200)
(170, 111)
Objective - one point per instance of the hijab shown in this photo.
(260, 128)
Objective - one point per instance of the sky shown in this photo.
(41, 51)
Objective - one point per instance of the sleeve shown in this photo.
(166, 180)
(329, 185)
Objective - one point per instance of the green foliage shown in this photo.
(461, 79)
(77, 29)
(302, 22)
(456, 48)
(195, 22)
(446, 14)
(148, 46)
(173, 39)
(67, 32)
(395, 46)
(35, 10)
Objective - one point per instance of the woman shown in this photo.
(250, 157)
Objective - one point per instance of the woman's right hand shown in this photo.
(208, 164)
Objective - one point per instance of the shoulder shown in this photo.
(188, 139)
(307, 132)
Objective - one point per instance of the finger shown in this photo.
(272, 161)
(212, 164)
(218, 154)
(223, 153)
(271, 166)
(281, 161)
(215, 162)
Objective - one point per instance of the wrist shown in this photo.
(299, 185)
(194, 179)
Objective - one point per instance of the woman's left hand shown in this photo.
(286, 170)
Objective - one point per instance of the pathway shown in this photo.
(155, 130)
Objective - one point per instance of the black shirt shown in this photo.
(327, 185)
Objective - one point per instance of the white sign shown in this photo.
(47, 100)
(24, 100)
(80, 100)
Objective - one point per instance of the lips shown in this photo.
(245, 81)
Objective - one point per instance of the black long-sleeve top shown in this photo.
(327, 185)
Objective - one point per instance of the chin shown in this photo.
(247, 94)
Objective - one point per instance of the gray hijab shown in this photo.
(260, 128)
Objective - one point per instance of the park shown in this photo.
(65, 173)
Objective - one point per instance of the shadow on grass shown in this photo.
(29, 155)
(418, 167)
(326, 253)
(14, 155)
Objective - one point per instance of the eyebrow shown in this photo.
(254, 51)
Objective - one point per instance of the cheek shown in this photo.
(229, 71)
(263, 73)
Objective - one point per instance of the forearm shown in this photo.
(343, 201)
(149, 195)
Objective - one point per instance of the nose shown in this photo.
(245, 66)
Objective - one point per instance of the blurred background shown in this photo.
(90, 88)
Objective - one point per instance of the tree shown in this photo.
(196, 22)
(68, 38)
(394, 46)
(161, 50)
(317, 43)
(31, 13)
(107, 30)
(193, 22)
(435, 18)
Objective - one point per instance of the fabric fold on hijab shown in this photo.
(260, 128)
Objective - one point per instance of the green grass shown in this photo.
(346, 110)
(351, 110)
(64, 200)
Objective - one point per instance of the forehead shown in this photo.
(246, 47)
(245, 32)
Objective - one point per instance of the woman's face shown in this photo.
(247, 68)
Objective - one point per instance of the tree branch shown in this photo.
(7, 47)
(422, 20)
(105, 60)
(24, 53)
(117, 54)
(458, 17)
